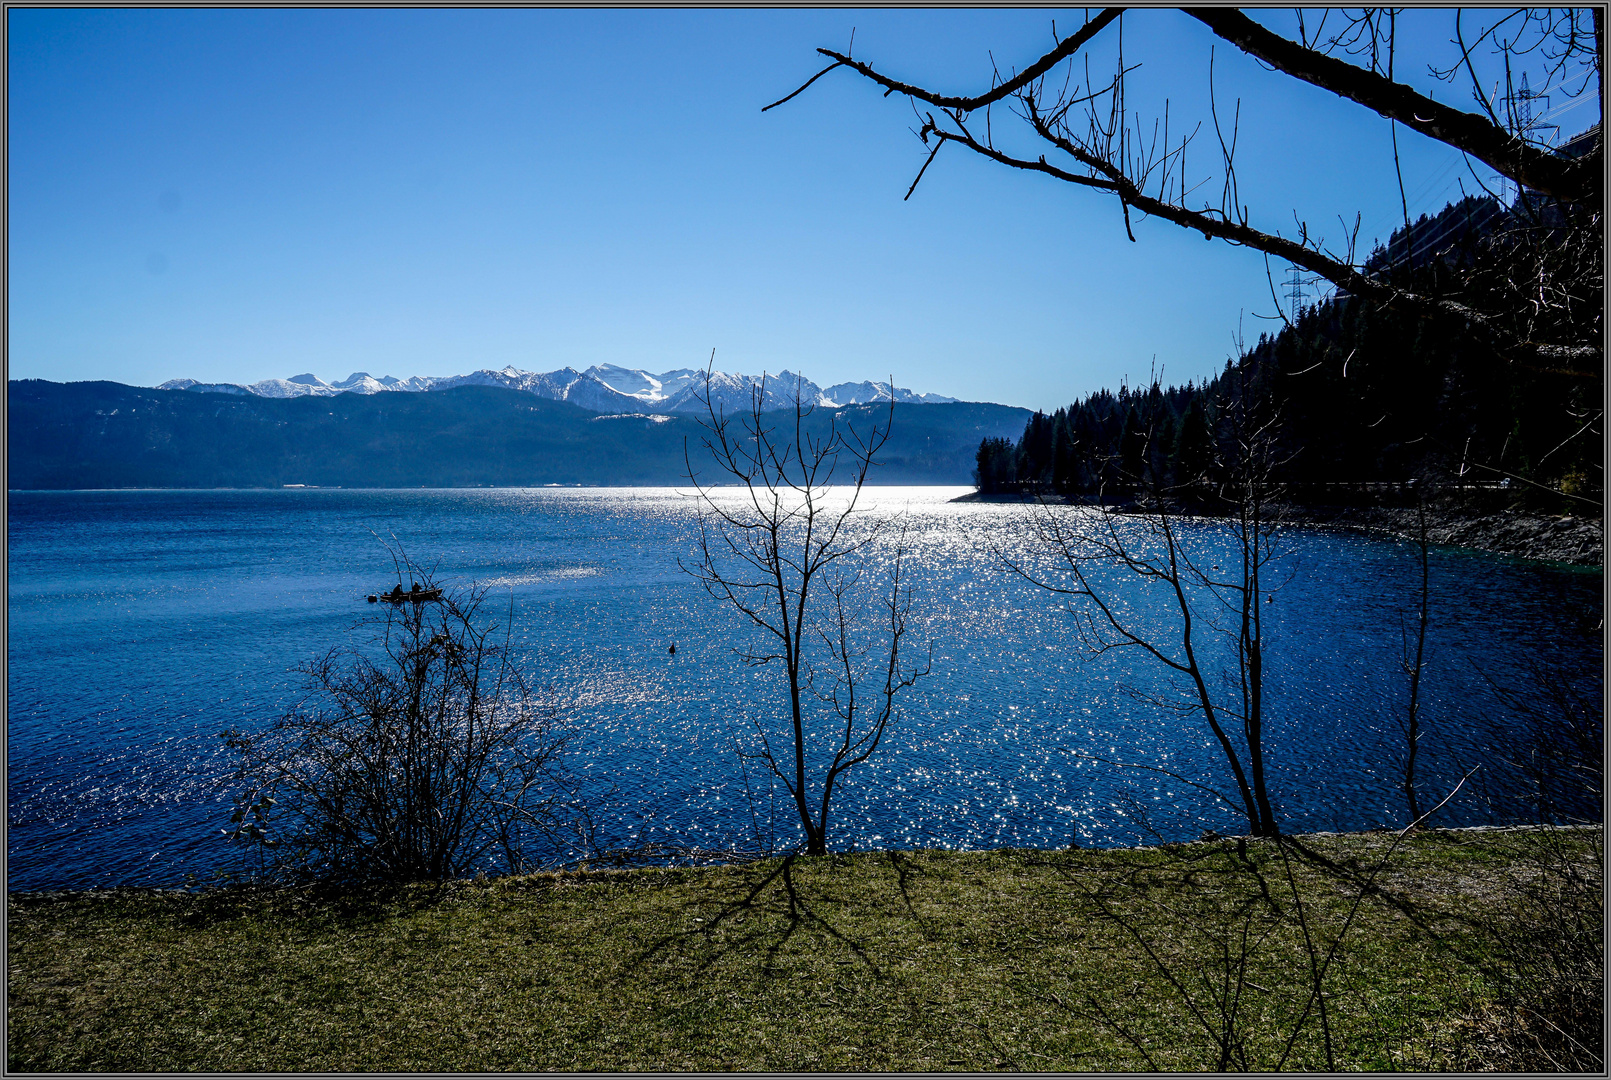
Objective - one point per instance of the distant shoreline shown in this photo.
(435, 487)
(1512, 533)
(1519, 534)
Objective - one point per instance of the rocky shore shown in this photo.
(1517, 533)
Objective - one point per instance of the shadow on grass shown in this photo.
(905, 868)
(1528, 924)
(772, 911)
(339, 904)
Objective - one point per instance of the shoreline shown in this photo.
(1510, 533)
(587, 871)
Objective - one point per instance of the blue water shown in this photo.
(143, 623)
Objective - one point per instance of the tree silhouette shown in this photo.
(1537, 302)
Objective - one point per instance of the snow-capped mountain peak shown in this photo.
(864, 392)
(629, 381)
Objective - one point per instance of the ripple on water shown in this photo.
(143, 623)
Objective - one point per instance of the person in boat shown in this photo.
(397, 590)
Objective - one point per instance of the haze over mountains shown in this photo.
(604, 388)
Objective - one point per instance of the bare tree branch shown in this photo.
(1482, 138)
(1109, 153)
(1065, 48)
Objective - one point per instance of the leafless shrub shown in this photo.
(426, 756)
(1549, 1015)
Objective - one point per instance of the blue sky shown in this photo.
(231, 195)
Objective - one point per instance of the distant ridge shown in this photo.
(106, 435)
(604, 388)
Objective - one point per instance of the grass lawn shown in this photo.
(1463, 951)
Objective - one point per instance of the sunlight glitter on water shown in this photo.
(144, 623)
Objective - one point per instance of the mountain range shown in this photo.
(107, 435)
(603, 388)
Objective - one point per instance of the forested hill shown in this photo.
(1356, 393)
(106, 435)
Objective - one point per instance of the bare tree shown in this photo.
(1548, 316)
(1158, 559)
(794, 555)
(422, 757)
(1416, 665)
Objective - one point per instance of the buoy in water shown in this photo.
(673, 649)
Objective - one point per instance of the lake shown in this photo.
(143, 623)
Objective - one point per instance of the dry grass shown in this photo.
(1027, 960)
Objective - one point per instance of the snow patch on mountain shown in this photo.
(648, 418)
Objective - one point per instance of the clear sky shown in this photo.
(231, 195)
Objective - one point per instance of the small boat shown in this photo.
(397, 596)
